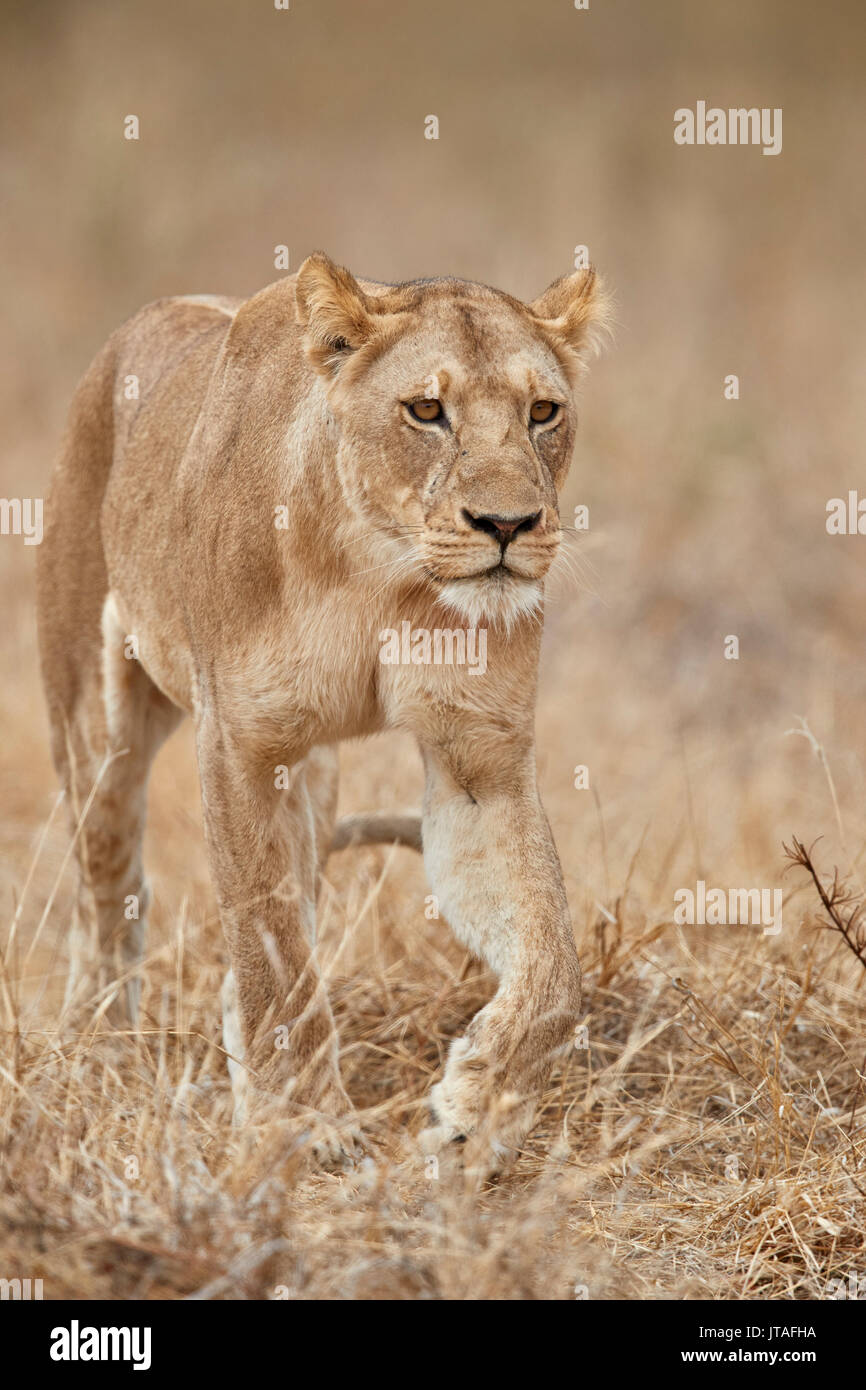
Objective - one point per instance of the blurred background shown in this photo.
(306, 128)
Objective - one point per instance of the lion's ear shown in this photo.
(574, 310)
(333, 310)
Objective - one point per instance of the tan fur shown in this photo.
(161, 527)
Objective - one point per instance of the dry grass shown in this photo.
(706, 1045)
(708, 1143)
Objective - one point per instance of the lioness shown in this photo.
(250, 492)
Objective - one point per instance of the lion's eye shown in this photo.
(425, 410)
(543, 411)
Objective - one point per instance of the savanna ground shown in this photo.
(710, 1142)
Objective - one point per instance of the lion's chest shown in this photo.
(309, 686)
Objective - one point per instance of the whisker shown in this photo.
(572, 571)
(407, 568)
(398, 559)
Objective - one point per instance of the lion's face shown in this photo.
(457, 420)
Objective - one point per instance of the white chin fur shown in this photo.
(493, 599)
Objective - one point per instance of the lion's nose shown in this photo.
(502, 528)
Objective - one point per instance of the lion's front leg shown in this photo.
(493, 866)
(261, 834)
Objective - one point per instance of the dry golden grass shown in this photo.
(709, 1142)
(707, 518)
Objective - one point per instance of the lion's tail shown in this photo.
(377, 828)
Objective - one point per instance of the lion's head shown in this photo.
(456, 419)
